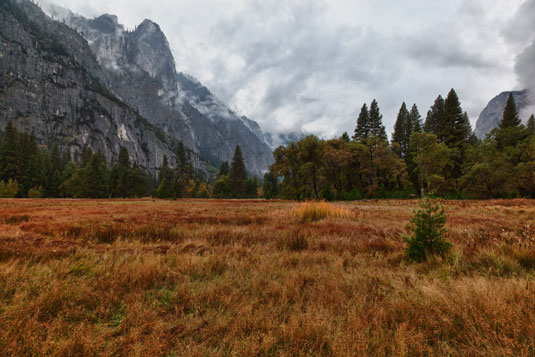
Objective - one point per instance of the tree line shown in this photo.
(440, 155)
(28, 169)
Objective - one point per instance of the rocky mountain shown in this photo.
(51, 84)
(140, 70)
(492, 114)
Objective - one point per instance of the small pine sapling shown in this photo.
(428, 231)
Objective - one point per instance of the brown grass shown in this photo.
(188, 278)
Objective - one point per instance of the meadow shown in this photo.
(252, 277)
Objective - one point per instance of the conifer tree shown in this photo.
(223, 169)
(9, 154)
(455, 131)
(165, 180)
(510, 115)
(362, 131)
(96, 176)
(184, 171)
(402, 131)
(531, 125)
(237, 175)
(270, 188)
(435, 117)
(415, 119)
(376, 126)
(122, 174)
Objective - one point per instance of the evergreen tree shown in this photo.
(251, 187)
(237, 175)
(224, 169)
(345, 137)
(531, 125)
(165, 180)
(362, 131)
(86, 155)
(415, 119)
(184, 171)
(95, 177)
(427, 232)
(510, 115)
(376, 122)
(455, 131)
(9, 154)
(270, 188)
(402, 131)
(435, 117)
(122, 175)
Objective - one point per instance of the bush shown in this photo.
(427, 232)
(36, 192)
(327, 194)
(9, 189)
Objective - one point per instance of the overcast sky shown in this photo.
(309, 65)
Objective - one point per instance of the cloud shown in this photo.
(309, 65)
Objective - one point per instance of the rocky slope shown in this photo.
(52, 85)
(492, 114)
(140, 69)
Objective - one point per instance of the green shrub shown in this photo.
(427, 232)
(9, 189)
(36, 192)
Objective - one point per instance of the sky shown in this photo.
(309, 65)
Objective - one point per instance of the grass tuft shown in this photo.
(315, 211)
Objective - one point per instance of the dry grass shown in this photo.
(315, 211)
(197, 278)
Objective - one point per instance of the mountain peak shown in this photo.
(106, 23)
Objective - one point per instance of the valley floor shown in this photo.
(216, 277)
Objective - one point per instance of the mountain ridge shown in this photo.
(141, 70)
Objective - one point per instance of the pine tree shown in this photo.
(270, 188)
(435, 117)
(345, 137)
(9, 154)
(237, 174)
(96, 176)
(415, 119)
(122, 175)
(510, 115)
(251, 187)
(531, 125)
(427, 232)
(455, 131)
(402, 131)
(224, 169)
(165, 180)
(362, 131)
(376, 126)
(184, 171)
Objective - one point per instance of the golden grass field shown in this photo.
(223, 277)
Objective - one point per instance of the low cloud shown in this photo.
(309, 65)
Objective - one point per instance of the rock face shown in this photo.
(492, 115)
(140, 69)
(52, 85)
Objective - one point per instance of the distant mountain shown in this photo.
(140, 70)
(52, 85)
(492, 115)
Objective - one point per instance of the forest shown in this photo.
(439, 156)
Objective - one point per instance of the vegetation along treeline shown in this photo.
(440, 156)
